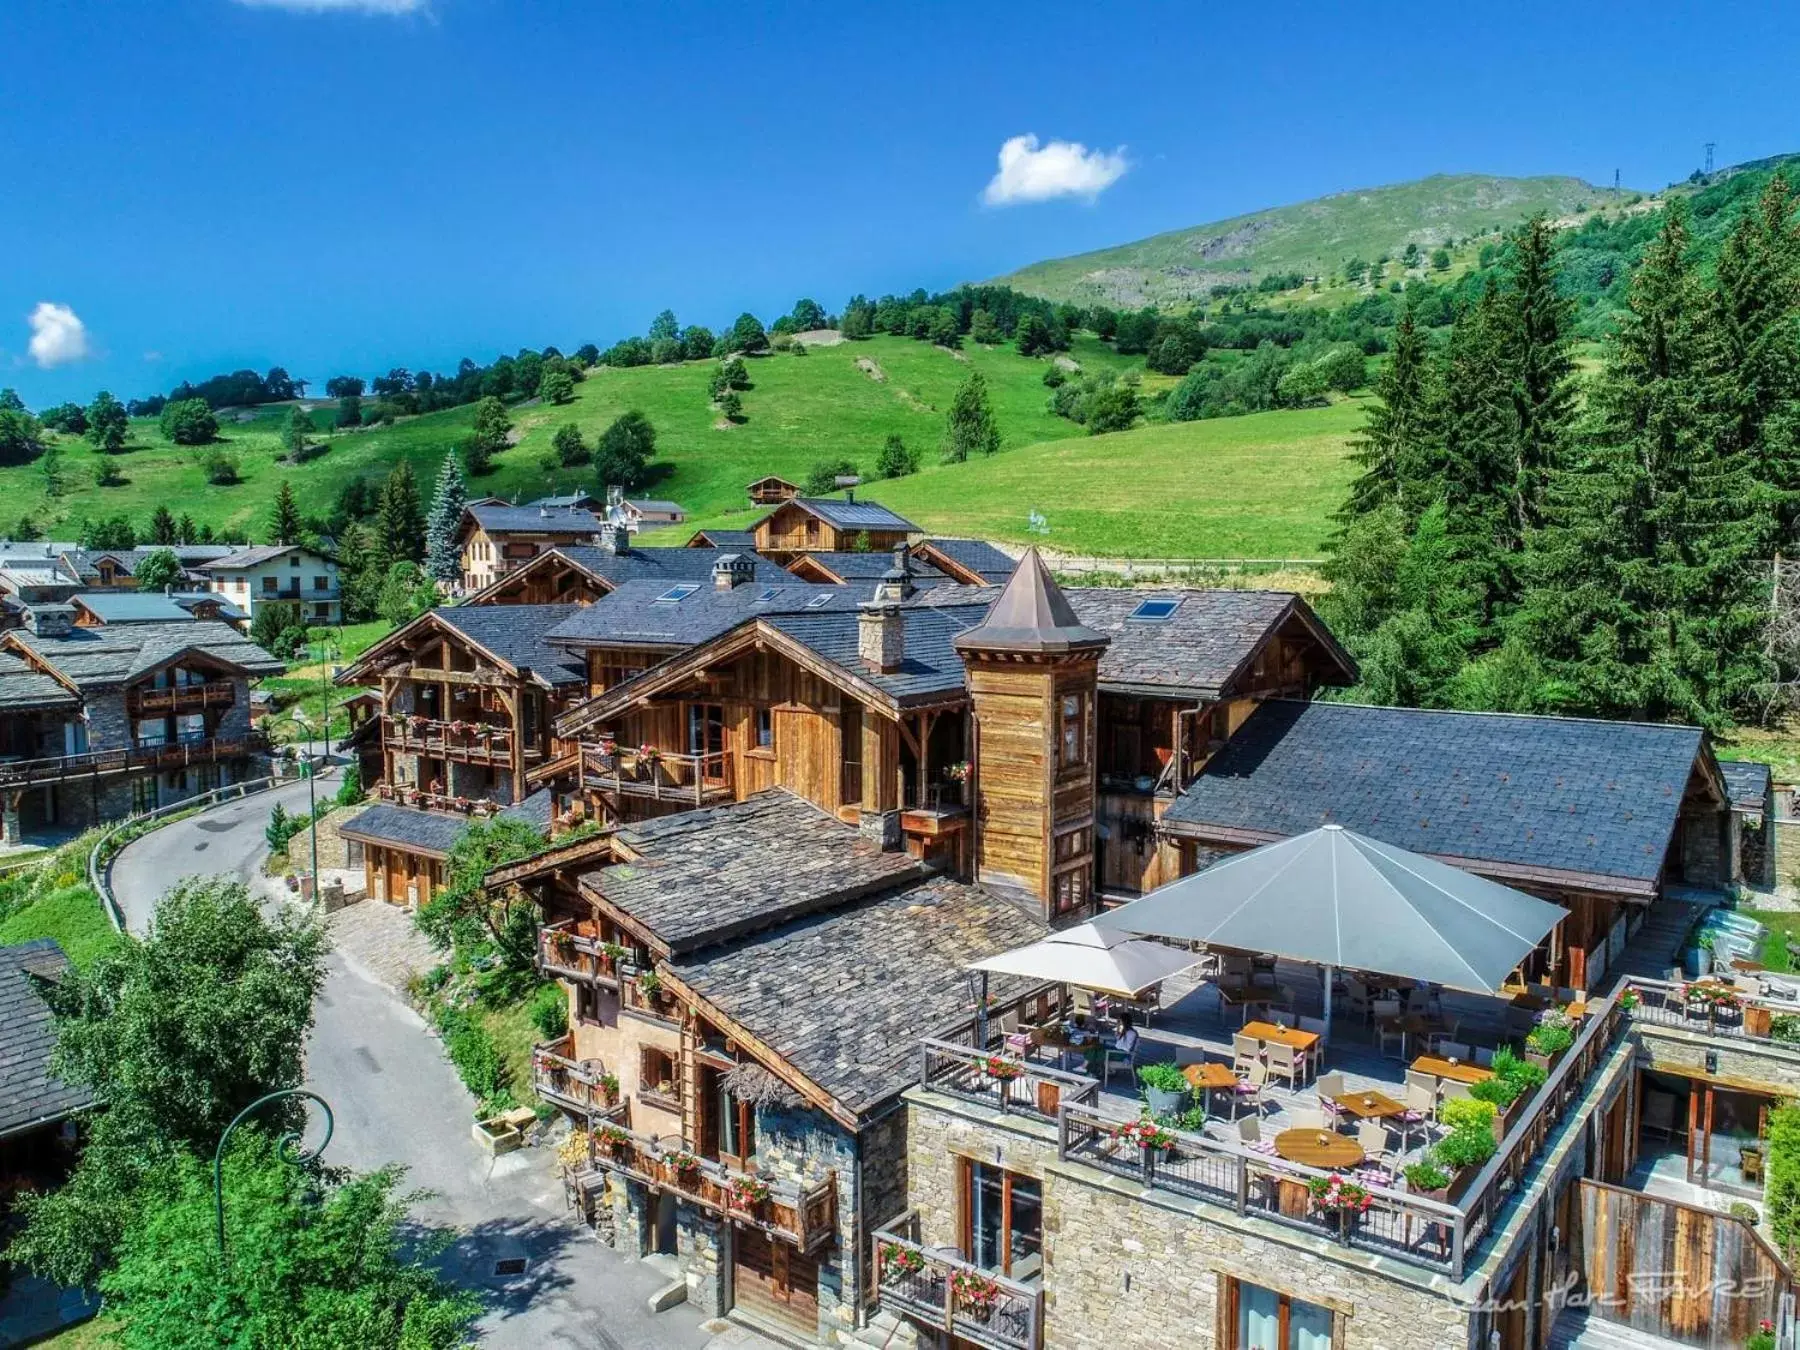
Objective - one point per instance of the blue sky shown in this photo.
(200, 185)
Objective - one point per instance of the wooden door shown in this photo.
(773, 1281)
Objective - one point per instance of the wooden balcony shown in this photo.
(805, 1217)
(22, 773)
(181, 698)
(406, 795)
(570, 955)
(971, 1305)
(581, 1086)
(470, 742)
(658, 775)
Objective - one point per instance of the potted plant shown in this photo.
(608, 1083)
(1164, 1088)
(1630, 1000)
(683, 1164)
(649, 984)
(1145, 1133)
(959, 773)
(974, 1292)
(1001, 1069)
(748, 1193)
(898, 1263)
(562, 946)
(613, 1138)
(1553, 1034)
(1332, 1195)
(1427, 1178)
(1764, 1338)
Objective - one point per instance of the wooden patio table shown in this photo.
(1462, 1072)
(1302, 1041)
(1369, 1105)
(1210, 1077)
(1320, 1148)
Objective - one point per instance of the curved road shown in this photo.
(396, 1099)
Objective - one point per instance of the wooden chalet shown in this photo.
(583, 573)
(819, 524)
(741, 541)
(494, 538)
(772, 491)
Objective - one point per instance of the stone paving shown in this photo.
(383, 941)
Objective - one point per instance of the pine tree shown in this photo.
(185, 532)
(1391, 449)
(400, 518)
(359, 574)
(163, 529)
(443, 559)
(970, 428)
(1644, 603)
(1535, 341)
(285, 525)
(1756, 317)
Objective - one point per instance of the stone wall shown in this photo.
(1685, 1052)
(1128, 1268)
(802, 1144)
(334, 850)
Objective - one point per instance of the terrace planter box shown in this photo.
(497, 1136)
(1757, 1021)
(1163, 1102)
(1049, 1098)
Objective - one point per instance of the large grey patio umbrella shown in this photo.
(1334, 898)
(1093, 956)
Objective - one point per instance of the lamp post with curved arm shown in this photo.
(289, 1144)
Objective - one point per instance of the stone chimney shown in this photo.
(50, 620)
(732, 570)
(881, 635)
(896, 583)
(615, 537)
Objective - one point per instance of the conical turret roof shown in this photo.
(1031, 615)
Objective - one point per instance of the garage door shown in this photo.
(774, 1282)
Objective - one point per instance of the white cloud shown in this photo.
(1033, 173)
(58, 337)
(341, 6)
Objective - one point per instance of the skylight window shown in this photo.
(818, 600)
(676, 594)
(767, 593)
(1155, 611)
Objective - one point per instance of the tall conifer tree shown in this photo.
(443, 560)
(1391, 447)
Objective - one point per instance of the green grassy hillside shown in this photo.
(1313, 237)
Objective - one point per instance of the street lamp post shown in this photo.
(327, 652)
(289, 1146)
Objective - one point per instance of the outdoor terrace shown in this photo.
(1440, 1231)
(20, 773)
(660, 775)
(470, 741)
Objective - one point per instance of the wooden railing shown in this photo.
(660, 775)
(651, 1001)
(183, 697)
(1683, 1007)
(805, 1216)
(480, 742)
(1001, 1082)
(952, 1295)
(563, 951)
(405, 795)
(21, 773)
(578, 1085)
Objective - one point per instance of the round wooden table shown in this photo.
(1320, 1148)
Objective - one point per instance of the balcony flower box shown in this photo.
(608, 1083)
(684, 1167)
(974, 1293)
(613, 1139)
(748, 1194)
(562, 947)
(1001, 1069)
(899, 1263)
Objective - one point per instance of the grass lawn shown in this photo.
(1778, 747)
(1784, 926)
(513, 1034)
(1256, 486)
(96, 1334)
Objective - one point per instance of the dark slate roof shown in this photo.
(994, 564)
(96, 658)
(189, 600)
(852, 515)
(660, 505)
(706, 876)
(533, 519)
(844, 996)
(931, 668)
(581, 500)
(86, 561)
(1557, 794)
(668, 565)
(1031, 615)
(870, 566)
(29, 1096)
(517, 634)
(254, 557)
(23, 687)
(1746, 783)
(1199, 647)
(414, 830)
(738, 539)
(631, 615)
(131, 606)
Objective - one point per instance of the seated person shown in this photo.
(1126, 1041)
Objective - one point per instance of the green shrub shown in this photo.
(1781, 1197)
(1550, 1039)
(1162, 1078)
(1468, 1113)
(1467, 1147)
(474, 1054)
(1426, 1175)
(550, 1012)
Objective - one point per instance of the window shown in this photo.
(321, 583)
(587, 1003)
(1070, 891)
(1154, 611)
(765, 729)
(656, 1074)
(294, 561)
(1268, 1320)
(270, 584)
(1072, 748)
(143, 795)
(819, 601)
(767, 594)
(1002, 1220)
(737, 1126)
(676, 594)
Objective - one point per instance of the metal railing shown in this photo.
(951, 1295)
(1000, 1082)
(661, 775)
(22, 773)
(1704, 1006)
(563, 951)
(803, 1215)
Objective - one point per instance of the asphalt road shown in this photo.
(396, 1099)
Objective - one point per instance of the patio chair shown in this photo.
(1372, 1135)
(1306, 1118)
(1249, 1090)
(1484, 1056)
(1285, 1062)
(1388, 1029)
(1189, 1054)
(1356, 1001)
(1436, 1040)
(1250, 1135)
(1316, 1055)
(1453, 1049)
(1281, 1017)
(1449, 1090)
(1245, 1051)
(1121, 1059)
(1421, 1105)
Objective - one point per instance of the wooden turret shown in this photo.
(1032, 669)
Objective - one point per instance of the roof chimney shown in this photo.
(881, 635)
(615, 537)
(50, 620)
(896, 583)
(731, 570)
